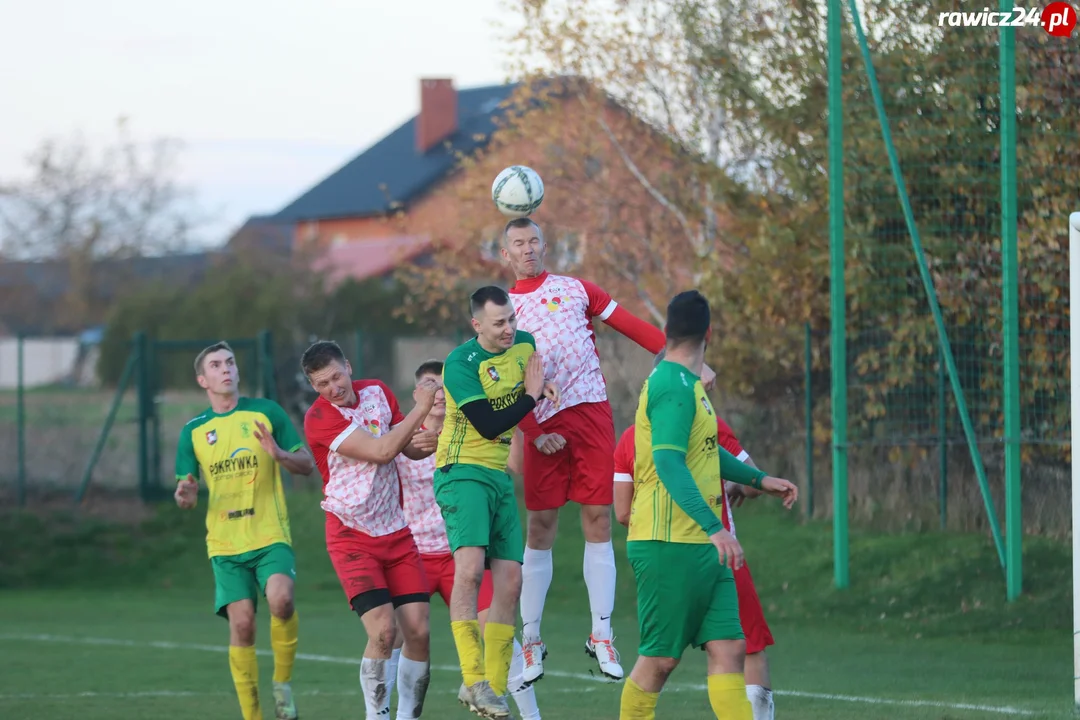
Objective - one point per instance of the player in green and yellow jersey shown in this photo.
(240, 445)
(491, 383)
(686, 594)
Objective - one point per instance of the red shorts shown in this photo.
(581, 472)
(440, 575)
(363, 563)
(756, 630)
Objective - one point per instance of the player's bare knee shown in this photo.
(468, 569)
(543, 526)
(661, 667)
(416, 632)
(507, 584)
(281, 605)
(382, 639)
(596, 523)
(726, 656)
(242, 629)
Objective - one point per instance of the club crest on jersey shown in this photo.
(211, 437)
(493, 374)
(554, 302)
(705, 404)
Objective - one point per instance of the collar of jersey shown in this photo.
(527, 285)
(239, 402)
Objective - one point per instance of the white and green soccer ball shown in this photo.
(517, 191)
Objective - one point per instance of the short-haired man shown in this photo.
(356, 430)
(491, 382)
(239, 445)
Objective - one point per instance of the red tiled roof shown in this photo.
(369, 257)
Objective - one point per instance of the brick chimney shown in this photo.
(438, 113)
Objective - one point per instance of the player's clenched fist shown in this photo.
(187, 493)
(424, 394)
(728, 547)
(550, 443)
(783, 489)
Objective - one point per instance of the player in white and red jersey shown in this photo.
(356, 430)
(568, 449)
(752, 617)
(429, 531)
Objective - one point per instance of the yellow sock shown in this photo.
(245, 674)
(636, 704)
(470, 653)
(283, 642)
(727, 695)
(498, 652)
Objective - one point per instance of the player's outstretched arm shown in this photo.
(622, 320)
(738, 472)
(381, 450)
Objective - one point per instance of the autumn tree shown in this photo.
(82, 204)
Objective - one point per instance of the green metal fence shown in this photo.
(953, 158)
(68, 439)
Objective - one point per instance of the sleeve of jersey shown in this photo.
(729, 442)
(643, 333)
(186, 462)
(461, 381)
(396, 416)
(739, 472)
(492, 423)
(282, 428)
(327, 427)
(671, 414)
(624, 457)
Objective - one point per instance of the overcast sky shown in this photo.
(267, 96)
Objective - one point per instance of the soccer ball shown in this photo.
(517, 191)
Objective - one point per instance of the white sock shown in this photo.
(761, 701)
(373, 684)
(599, 571)
(391, 671)
(414, 677)
(536, 574)
(524, 695)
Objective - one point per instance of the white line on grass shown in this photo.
(673, 687)
(192, 693)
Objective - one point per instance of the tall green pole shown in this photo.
(20, 420)
(943, 443)
(837, 314)
(142, 402)
(1010, 313)
(808, 392)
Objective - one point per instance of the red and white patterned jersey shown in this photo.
(421, 511)
(624, 460)
(363, 495)
(557, 311)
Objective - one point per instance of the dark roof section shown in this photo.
(392, 172)
(51, 279)
(262, 233)
(32, 294)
